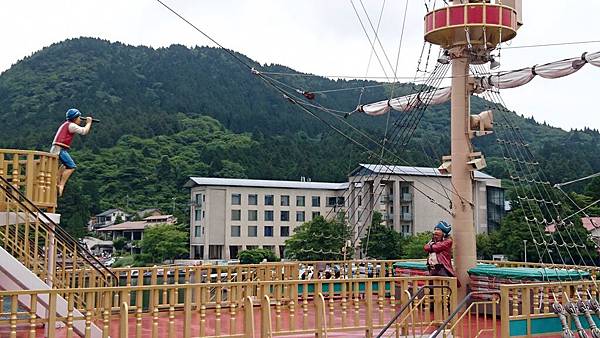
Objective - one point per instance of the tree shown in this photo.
(119, 244)
(382, 242)
(487, 245)
(162, 242)
(256, 256)
(413, 246)
(318, 239)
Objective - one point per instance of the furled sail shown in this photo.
(502, 80)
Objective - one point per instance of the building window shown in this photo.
(251, 247)
(269, 247)
(284, 231)
(215, 251)
(300, 201)
(341, 201)
(268, 231)
(197, 214)
(252, 199)
(284, 216)
(405, 209)
(316, 201)
(235, 231)
(495, 207)
(252, 231)
(268, 199)
(285, 200)
(316, 214)
(198, 231)
(198, 202)
(269, 215)
(359, 200)
(300, 216)
(236, 199)
(236, 215)
(406, 229)
(234, 251)
(253, 215)
(137, 235)
(331, 201)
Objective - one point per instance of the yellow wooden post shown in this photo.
(369, 298)
(187, 309)
(51, 325)
(124, 321)
(504, 312)
(265, 314)
(248, 318)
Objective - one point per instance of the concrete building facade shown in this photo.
(413, 199)
(230, 215)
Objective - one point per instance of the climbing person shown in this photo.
(439, 260)
(62, 144)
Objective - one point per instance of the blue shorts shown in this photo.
(66, 159)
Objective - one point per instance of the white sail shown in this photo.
(503, 80)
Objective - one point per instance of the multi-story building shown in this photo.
(229, 215)
(413, 199)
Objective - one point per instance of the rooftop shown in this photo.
(411, 171)
(137, 225)
(108, 212)
(152, 218)
(236, 182)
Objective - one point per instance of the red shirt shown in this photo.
(443, 251)
(63, 136)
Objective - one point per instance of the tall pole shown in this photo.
(462, 207)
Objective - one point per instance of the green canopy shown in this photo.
(540, 274)
(422, 265)
(491, 270)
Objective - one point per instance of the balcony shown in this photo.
(406, 216)
(33, 173)
(406, 197)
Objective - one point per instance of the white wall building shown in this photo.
(230, 215)
(402, 194)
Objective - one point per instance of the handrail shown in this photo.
(458, 308)
(56, 229)
(410, 301)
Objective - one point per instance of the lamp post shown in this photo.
(525, 249)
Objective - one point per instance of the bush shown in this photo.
(124, 261)
(256, 256)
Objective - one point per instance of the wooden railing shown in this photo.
(240, 309)
(34, 173)
(526, 309)
(47, 250)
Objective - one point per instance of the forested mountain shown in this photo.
(172, 112)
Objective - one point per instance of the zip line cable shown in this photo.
(369, 38)
(290, 96)
(558, 185)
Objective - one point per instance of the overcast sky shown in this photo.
(320, 37)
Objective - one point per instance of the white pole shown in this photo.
(525, 249)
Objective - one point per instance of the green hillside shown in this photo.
(172, 112)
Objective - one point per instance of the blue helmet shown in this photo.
(444, 226)
(72, 114)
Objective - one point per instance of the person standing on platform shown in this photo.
(439, 260)
(62, 144)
